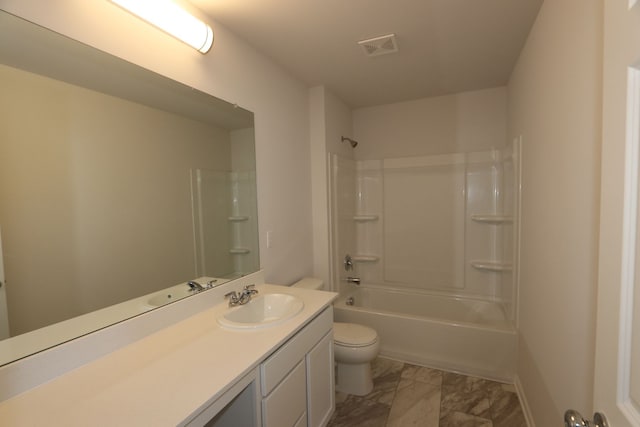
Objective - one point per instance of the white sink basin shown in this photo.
(262, 311)
(168, 295)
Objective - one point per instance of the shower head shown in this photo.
(353, 143)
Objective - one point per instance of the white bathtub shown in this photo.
(463, 335)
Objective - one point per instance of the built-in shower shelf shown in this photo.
(239, 251)
(364, 218)
(491, 266)
(492, 219)
(238, 218)
(365, 258)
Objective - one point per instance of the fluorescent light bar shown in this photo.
(172, 19)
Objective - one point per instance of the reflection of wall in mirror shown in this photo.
(4, 315)
(94, 197)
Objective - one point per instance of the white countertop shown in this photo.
(163, 378)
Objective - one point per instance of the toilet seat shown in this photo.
(353, 335)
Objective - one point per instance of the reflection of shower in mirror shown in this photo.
(224, 200)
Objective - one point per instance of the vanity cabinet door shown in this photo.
(303, 395)
(320, 382)
(286, 405)
(280, 362)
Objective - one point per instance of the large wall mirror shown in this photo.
(117, 187)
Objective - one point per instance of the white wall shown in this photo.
(469, 121)
(319, 189)
(233, 71)
(330, 119)
(555, 104)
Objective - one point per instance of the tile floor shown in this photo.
(409, 395)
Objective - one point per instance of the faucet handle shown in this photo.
(234, 299)
(348, 262)
(250, 289)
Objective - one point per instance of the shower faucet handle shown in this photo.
(354, 280)
(348, 262)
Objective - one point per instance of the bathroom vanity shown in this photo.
(197, 372)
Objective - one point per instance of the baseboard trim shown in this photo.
(523, 401)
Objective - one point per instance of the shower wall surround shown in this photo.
(441, 223)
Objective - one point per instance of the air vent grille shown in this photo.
(382, 45)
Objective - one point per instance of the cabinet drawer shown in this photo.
(274, 369)
(288, 402)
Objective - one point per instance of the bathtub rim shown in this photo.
(398, 288)
(507, 326)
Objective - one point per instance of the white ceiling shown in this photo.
(445, 46)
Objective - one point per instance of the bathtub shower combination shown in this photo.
(432, 240)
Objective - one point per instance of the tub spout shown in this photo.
(355, 280)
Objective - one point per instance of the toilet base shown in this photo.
(354, 379)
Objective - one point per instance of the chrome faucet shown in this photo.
(243, 297)
(195, 286)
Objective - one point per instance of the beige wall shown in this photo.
(555, 104)
(95, 197)
(469, 121)
(233, 71)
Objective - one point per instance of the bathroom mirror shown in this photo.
(117, 186)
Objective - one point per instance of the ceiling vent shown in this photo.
(380, 45)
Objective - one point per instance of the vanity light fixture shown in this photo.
(171, 18)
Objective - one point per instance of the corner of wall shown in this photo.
(319, 191)
(526, 410)
(559, 251)
(330, 118)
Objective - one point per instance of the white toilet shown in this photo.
(355, 346)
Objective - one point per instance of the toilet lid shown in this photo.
(353, 335)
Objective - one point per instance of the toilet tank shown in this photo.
(309, 283)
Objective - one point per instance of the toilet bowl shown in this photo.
(354, 347)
